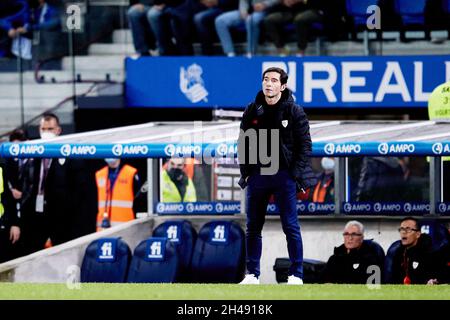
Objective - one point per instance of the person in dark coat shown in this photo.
(380, 179)
(287, 170)
(412, 261)
(350, 261)
(61, 201)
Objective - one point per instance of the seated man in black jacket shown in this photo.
(350, 261)
(412, 261)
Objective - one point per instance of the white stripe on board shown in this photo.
(372, 131)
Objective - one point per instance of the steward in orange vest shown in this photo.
(323, 192)
(116, 187)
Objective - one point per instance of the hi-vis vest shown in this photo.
(170, 191)
(119, 204)
(1, 191)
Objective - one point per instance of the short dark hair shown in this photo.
(283, 75)
(412, 219)
(49, 116)
(18, 134)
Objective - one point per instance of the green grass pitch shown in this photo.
(109, 291)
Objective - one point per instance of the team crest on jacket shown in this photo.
(415, 264)
(355, 266)
(284, 123)
(62, 161)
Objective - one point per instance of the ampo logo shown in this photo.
(437, 148)
(219, 207)
(329, 148)
(160, 207)
(190, 207)
(442, 207)
(383, 148)
(377, 207)
(407, 207)
(169, 150)
(117, 150)
(14, 149)
(347, 207)
(312, 207)
(65, 150)
(222, 149)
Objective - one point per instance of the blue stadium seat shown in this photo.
(389, 261)
(106, 260)
(437, 231)
(446, 6)
(219, 254)
(183, 235)
(357, 9)
(378, 249)
(412, 12)
(155, 260)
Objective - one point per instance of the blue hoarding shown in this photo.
(379, 81)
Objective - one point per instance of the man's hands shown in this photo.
(243, 182)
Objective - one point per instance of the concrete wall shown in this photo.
(320, 236)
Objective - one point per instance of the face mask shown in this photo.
(327, 163)
(176, 174)
(47, 135)
(111, 161)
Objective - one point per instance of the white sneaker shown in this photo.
(250, 279)
(294, 280)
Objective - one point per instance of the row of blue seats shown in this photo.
(174, 253)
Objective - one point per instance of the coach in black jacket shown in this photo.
(277, 163)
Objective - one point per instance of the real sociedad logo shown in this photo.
(383, 148)
(14, 149)
(347, 207)
(219, 207)
(190, 207)
(160, 207)
(117, 150)
(377, 207)
(329, 148)
(65, 150)
(437, 148)
(311, 207)
(442, 207)
(407, 207)
(169, 150)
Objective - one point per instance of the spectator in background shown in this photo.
(172, 18)
(14, 16)
(117, 187)
(176, 185)
(204, 21)
(380, 179)
(251, 13)
(324, 190)
(412, 261)
(350, 260)
(285, 12)
(143, 37)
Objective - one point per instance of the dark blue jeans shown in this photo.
(259, 190)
